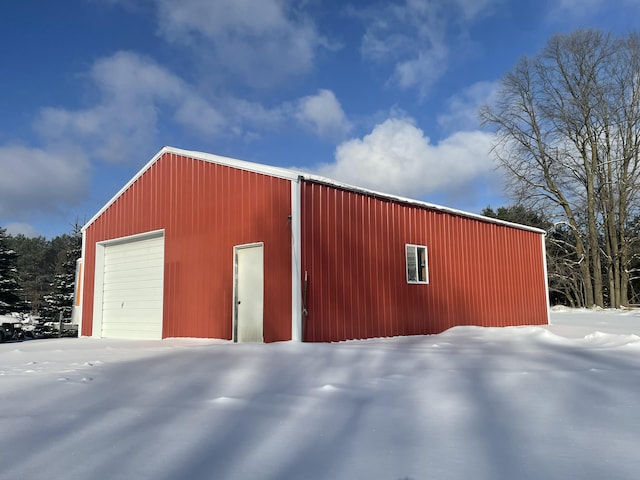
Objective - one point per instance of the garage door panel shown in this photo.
(130, 290)
(140, 275)
(136, 318)
(128, 331)
(120, 282)
(132, 299)
(142, 264)
(148, 266)
(127, 304)
(128, 283)
(149, 263)
(128, 327)
(128, 307)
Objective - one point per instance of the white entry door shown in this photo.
(249, 294)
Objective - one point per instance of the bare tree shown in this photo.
(567, 124)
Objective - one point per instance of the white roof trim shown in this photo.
(290, 174)
(279, 172)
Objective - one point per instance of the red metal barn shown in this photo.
(198, 245)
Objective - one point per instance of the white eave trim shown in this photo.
(290, 174)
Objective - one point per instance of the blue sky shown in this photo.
(383, 95)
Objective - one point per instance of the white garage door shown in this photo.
(133, 289)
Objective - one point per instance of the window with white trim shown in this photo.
(417, 269)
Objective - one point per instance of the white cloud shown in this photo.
(259, 42)
(257, 115)
(463, 108)
(197, 114)
(424, 69)
(576, 8)
(472, 9)
(36, 180)
(415, 35)
(18, 228)
(323, 113)
(133, 91)
(564, 10)
(320, 114)
(215, 18)
(397, 157)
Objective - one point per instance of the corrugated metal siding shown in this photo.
(205, 209)
(354, 252)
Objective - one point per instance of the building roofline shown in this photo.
(207, 157)
(293, 175)
(418, 203)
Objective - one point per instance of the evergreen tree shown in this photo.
(35, 268)
(60, 300)
(10, 300)
(518, 214)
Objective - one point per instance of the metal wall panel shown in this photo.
(353, 250)
(204, 209)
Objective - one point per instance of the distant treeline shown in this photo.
(37, 275)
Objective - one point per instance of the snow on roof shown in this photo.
(295, 175)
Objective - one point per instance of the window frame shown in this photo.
(412, 252)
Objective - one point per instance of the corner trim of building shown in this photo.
(546, 277)
(84, 284)
(296, 263)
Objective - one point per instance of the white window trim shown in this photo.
(412, 249)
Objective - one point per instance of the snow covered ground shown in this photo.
(559, 402)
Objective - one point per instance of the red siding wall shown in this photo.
(205, 209)
(354, 252)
